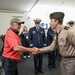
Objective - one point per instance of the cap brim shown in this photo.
(21, 22)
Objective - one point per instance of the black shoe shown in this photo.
(36, 72)
(41, 71)
(54, 67)
(50, 67)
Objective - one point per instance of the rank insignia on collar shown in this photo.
(66, 27)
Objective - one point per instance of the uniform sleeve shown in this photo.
(71, 36)
(44, 38)
(30, 38)
(48, 48)
(50, 36)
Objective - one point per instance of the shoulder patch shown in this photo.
(66, 27)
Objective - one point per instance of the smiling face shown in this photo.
(53, 23)
(16, 26)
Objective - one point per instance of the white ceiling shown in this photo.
(16, 5)
(29, 5)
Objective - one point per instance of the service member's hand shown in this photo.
(35, 50)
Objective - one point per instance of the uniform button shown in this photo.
(38, 42)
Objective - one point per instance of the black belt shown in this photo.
(69, 57)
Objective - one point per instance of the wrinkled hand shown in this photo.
(35, 50)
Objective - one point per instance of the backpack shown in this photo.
(1, 43)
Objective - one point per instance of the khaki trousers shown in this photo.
(68, 66)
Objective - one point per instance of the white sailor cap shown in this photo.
(37, 20)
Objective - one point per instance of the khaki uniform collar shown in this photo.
(60, 28)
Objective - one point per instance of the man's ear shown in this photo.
(56, 21)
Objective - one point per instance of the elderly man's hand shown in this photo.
(35, 50)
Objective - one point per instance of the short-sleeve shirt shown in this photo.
(11, 39)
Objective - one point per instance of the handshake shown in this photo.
(35, 50)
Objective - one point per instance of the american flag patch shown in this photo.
(62, 40)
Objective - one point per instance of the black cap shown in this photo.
(71, 22)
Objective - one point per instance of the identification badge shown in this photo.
(41, 32)
(34, 32)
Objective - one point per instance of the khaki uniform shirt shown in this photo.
(66, 40)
